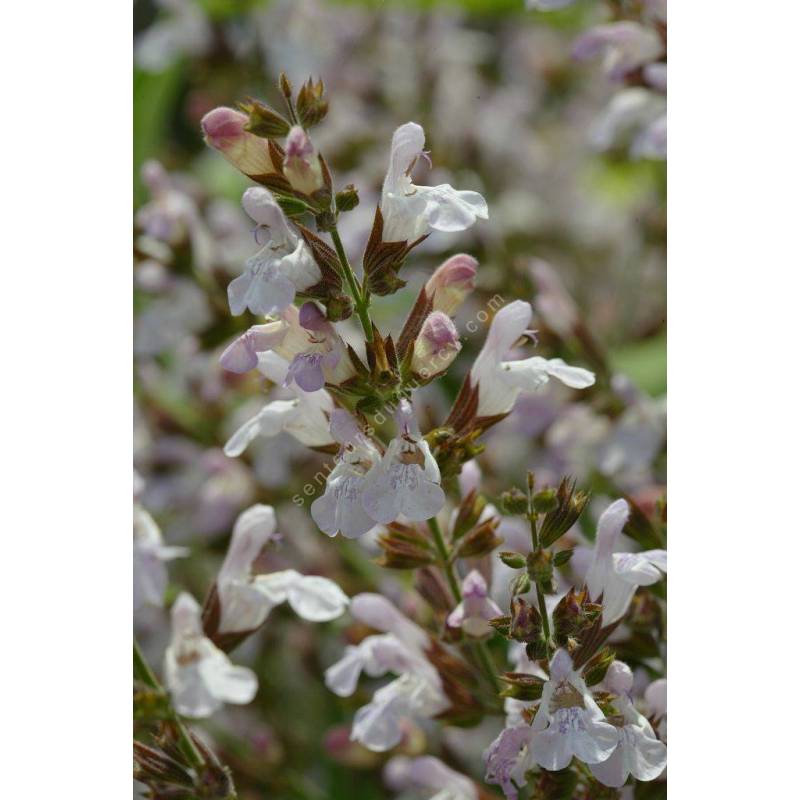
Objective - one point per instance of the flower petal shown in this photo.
(451, 210)
(270, 421)
(317, 599)
(636, 568)
(342, 677)
(611, 772)
(646, 756)
(276, 585)
(252, 530)
(229, 683)
(408, 142)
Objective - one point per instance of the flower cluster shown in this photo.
(488, 572)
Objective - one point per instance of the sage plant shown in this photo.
(519, 635)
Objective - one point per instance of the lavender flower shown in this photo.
(406, 481)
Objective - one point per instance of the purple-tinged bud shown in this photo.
(452, 282)
(224, 130)
(436, 346)
(301, 165)
(619, 678)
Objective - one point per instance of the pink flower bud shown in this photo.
(224, 131)
(436, 346)
(452, 282)
(301, 165)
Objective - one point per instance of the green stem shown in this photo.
(480, 649)
(543, 613)
(142, 671)
(444, 557)
(360, 301)
(536, 549)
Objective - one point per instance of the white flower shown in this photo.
(615, 575)
(200, 677)
(639, 752)
(306, 416)
(282, 267)
(411, 211)
(417, 692)
(508, 758)
(375, 655)
(428, 774)
(379, 613)
(407, 479)
(149, 555)
(341, 508)
(499, 382)
(569, 722)
(476, 608)
(247, 598)
(400, 649)
(378, 725)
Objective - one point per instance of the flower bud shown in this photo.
(514, 501)
(570, 506)
(312, 105)
(347, 199)
(481, 540)
(436, 346)
(265, 122)
(525, 620)
(301, 165)
(573, 615)
(404, 547)
(597, 666)
(338, 308)
(522, 686)
(452, 282)
(512, 559)
(540, 569)
(224, 130)
(545, 501)
(521, 584)
(432, 588)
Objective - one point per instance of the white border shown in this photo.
(734, 239)
(67, 399)
(733, 295)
